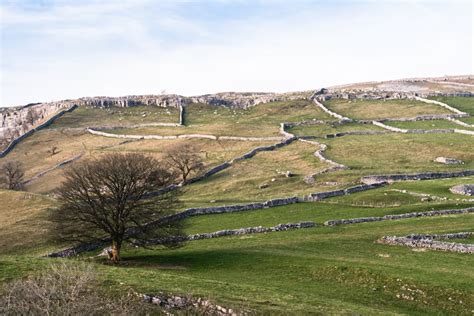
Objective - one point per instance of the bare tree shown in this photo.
(53, 150)
(109, 200)
(185, 160)
(31, 116)
(12, 174)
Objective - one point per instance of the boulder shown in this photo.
(309, 180)
(448, 161)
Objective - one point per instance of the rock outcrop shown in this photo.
(448, 161)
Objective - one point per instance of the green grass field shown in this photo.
(321, 130)
(115, 116)
(321, 270)
(434, 124)
(262, 120)
(378, 109)
(464, 104)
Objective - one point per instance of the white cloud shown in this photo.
(139, 47)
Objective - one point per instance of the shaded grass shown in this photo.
(341, 270)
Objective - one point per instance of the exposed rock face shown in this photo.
(448, 161)
(15, 119)
(464, 189)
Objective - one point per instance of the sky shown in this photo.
(57, 49)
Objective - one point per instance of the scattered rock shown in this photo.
(289, 174)
(263, 186)
(464, 189)
(309, 180)
(448, 161)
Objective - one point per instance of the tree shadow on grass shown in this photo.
(197, 260)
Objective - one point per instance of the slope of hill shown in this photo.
(314, 153)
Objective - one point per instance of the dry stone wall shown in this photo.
(212, 210)
(355, 133)
(416, 176)
(397, 217)
(328, 111)
(183, 136)
(334, 166)
(444, 105)
(236, 232)
(358, 188)
(57, 166)
(459, 122)
(427, 117)
(422, 131)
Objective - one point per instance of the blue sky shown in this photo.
(53, 50)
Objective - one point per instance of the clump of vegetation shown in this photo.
(65, 289)
(31, 116)
(109, 199)
(185, 160)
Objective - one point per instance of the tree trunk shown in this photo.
(115, 253)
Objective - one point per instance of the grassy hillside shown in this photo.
(23, 222)
(116, 116)
(434, 124)
(320, 270)
(261, 120)
(378, 109)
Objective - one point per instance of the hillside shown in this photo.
(368, 152)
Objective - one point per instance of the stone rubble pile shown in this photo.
(429, 242)
(442, 236)
(464, 189)
(189, 305)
